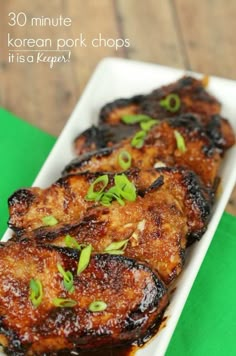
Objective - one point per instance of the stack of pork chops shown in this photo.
(93, 256)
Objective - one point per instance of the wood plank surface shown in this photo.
(208, 31)
(150, 25)
(197, 35)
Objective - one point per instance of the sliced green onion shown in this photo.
(138, 139)
(72, 243)
(110, 195)
(124, 160)
(125, 188)
(49, 220)
(84, 259)
(171, 102)
(180, 141)
(36, 292)
(97, 306)
(63, 302)
(97, 187)
(134, 119)
(118, 245)
(68, 279)
(147, 125)
(106, 200)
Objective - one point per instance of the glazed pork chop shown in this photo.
(160, 146)
(171, 207)
(114, 301)
(193, 98)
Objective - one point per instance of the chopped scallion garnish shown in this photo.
(63, 302)
(84, 259)
(134, 119)
(97, 306)
(180, 141)
(118, 245)
(68, 279)
(36, 292)
(125, 188)
(97, 187)
(147, 125)
(49, 220)
(124, 160)
(138, 139)
(171, 102)
(72, 243)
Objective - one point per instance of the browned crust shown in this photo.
(171, 205)
(160, 145)
(134, 295)
(194, 99)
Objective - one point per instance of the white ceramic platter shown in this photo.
(115, 78)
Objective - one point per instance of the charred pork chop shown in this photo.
(160, 147)
(155, 228)
(113, 301)
(193, 99)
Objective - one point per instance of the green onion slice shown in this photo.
(147, 125)
(97, 306)
(63, 302)
(72, 243)
(49, 220)
(124, 160)
(138, 139)
(106, 199)
(112, 193)
(97, 187)
(68, 279)
(36, 292)
(180, 141)
(84, 259)
(118, 245)
(171, 102)
(134, 119)
(125, 188)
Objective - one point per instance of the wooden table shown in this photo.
(196, 35)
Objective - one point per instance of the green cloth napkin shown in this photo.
(23, 149)
(207, 325)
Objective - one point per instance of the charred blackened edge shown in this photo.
(118, 104)
(186, 84)
(192, 125)
(91, 137)
(197, 193)
(221, 132)
(154, 186)
(83, 159)
(22, 196)
(14, 347)
(102, 136)
(189, 121)
(202, 198)
(154, 301)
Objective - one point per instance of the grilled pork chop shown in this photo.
(132, 296)
(160, 145)
(171, 206)
(193, 99)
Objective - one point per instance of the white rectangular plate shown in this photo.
(115, 78)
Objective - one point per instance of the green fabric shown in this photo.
(207, 325)
(23, 149)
